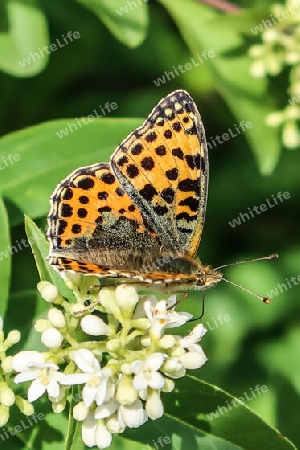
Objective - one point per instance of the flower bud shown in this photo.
(193, 360)
(173, 368)
(6, 364)
(270, 35)
(4, 415)
(41, 325)
(113, 424)
(52, 338)
(107, 299)
(13, 337)
(133, 415)
(257, 69)
(56, 318)
(126, 297)
(94, 326)
(7, 396)
(113, 345)
(169, 385)
(103, 437)
(275, 119)
(154, 407)
(167, 341)
(48, 291)
(126, 394)
(80, 411)
(291, 136)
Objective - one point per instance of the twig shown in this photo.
(222, 5)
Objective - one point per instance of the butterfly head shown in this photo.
(207, 277)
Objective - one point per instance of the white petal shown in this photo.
(143, 394)
(156, 381)
(27, 375)
(155, 361)
(53, 389)
(176, 319)
(89, 394)
(195, 348)
(140, 382)
(137, 366)
(171, 301)
(195, 336)
(86, 361)
(23, 359)
(101, 392)
(103, 437)
(76, 378)
(161, 309)
(120, 419)
(140, 310)
(36, 390)
(106, 410)
(149, 306)
(88, 431)
(110, 392)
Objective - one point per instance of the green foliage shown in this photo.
(117, 59)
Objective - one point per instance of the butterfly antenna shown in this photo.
(262, 258)
(263, 299)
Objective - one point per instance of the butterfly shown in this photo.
(141, 215)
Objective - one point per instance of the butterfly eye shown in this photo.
(200, 281)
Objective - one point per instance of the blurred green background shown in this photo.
(116, 59)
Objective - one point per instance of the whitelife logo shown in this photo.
(284, 286)
(6, 433)
(236, 403)
(53, 47)
(205, 55)
(86, 120)
(259, 209)
(226, 136)
(279, 17)
(9, 160)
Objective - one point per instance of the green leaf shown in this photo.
(73, 440)
(27, 32)
(207, 408)
(40, 250)
(230, 67)
(5, 258)
(45, 159)
(127, 23)
(282, 357)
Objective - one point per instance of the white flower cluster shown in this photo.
(122, 371)
(279, 50)
(7, 396)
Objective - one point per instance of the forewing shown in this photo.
(90, 217)
(163, 166)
